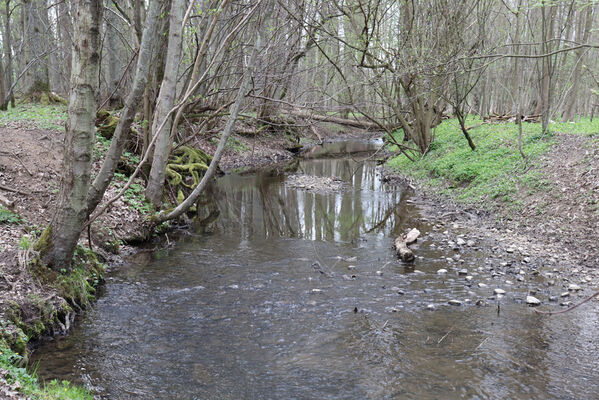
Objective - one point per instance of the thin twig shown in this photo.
(570, 308)
(444, 336)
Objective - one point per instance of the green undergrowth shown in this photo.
(9, 217)
(495, 170)
(38, 314)
(50, 116)
(28, 384)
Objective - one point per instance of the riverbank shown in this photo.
(35, 304)
(544, 207)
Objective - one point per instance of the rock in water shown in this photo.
(574, 287)
(442, 271)
(454, 302)
(533, 301)
(499, 291)
(412, 236)
(460, 242)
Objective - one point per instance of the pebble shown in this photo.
(533, 301)
(469, 278)
(379, 273)
(463, 272)
(442, 271)
(349, 277)
(470, 243)
(316, 290)
(510, 249)
(460, 242)
(565, 303)
(351, 267)
(430, 307)
(499, 291)
(526, 260)
(520, 278)
(553, 298)
(482, 285)
(233, 286)
(509, 282)
(454, 302)
(574, 287)
(522, 272)
(565, 294)
(481, 303)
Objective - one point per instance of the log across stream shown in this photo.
(280, 292)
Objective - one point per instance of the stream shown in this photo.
(284, 293)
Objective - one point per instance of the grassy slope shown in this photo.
(22, 381)
(495, 171)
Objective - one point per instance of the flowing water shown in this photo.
(257, 302)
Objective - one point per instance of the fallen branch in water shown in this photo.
(570, 308)
(402, 242)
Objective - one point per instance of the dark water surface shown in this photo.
(237, 309)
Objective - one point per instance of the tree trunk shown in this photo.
(113, 68)
(35, 30)
(166, 101)
(121, 133)
(228, 130)
(71, 211)
(573, 94)
(7, 41)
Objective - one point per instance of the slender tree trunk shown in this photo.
(65, 30)
(121, 133)
(113, 68)
(71, 212)
(228, 130)
(7, 40)
(166, 101)
(583, 31)
(35, 29)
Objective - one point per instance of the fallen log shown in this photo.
(336, 120)
(402, 242)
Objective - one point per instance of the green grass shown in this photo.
(41, 116)
(8, 217)
(495, 170)
(29, 384)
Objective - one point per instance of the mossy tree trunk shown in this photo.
(71, 211)
(166, 101)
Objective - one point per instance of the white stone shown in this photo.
(442, 271)
(574, 287)
(532, 300)
(499, 291)
(482, 285)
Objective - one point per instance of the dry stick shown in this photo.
(15, 155)
(14, 190)
(568, 309)
(172, 110)
(444, 336)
